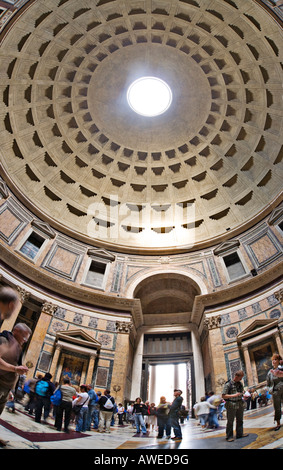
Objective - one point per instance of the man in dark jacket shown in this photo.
(44, 388)
(106, 403)
(174, 415)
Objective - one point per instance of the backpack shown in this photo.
(56, 398)
(108, 404)
(41, 388)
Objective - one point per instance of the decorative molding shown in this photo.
(23, 294)
(279, 295)
(4, 190)
(212, 322)
(100, 253)
(124, 327)
(226, 247)
(49, 308)
(45, 228)
(275, 216)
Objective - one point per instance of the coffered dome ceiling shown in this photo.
(77, 155)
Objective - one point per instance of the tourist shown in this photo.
(11, 351)
(202, 410)
(65, 407)
(96, 410)
(44, 388)
(93, 399)
(274, 381)
(174, 414)
(248, 398)
(254, 398)
(120, 412)
(82, 400)
(163, 421)
(212, 415)
(106, 403)
(232, 393)
(8, 302)
(11, 344)
(152, 418)
(139, 409)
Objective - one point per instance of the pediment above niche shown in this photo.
(276, 216)
(257, 328)
(101, 253)
(77, 337)
(225, 247)
(45, 228)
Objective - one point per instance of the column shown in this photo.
(121, 362)
(137, 367)
(152, 386)
(176, 376)
(249, 371)
(279, 343)
(54, 363)
(198, 364)
(38, 336)
(90, 369)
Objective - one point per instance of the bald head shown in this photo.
(8, 301)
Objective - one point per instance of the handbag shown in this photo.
(77, 408)
(56, 398)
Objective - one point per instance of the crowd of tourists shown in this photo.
(89, 409)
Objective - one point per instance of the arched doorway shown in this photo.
(169, 337)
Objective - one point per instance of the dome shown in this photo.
(77, 154)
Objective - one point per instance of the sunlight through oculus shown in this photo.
(149, 96)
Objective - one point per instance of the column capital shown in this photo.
(23, 294)
(49, 308)
(124, 327)
(279, 295)
(212, 322)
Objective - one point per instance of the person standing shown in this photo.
(174, 415)
(65, 407)
(139, 409)
(106, 403)
(274, 381)
(82, 400)
(96, 411)
(232, 393)
(11, 352)
(163, 421)
(44, 388)
(91, 405)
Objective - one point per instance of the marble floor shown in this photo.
(21, 432)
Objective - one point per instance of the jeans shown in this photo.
(81, 423)
(203, 419)
(95, 417)
(163, 424)
(212, 418)
(89, 416)
(139, 422)
(174, 418)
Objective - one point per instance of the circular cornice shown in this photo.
(76, 154)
